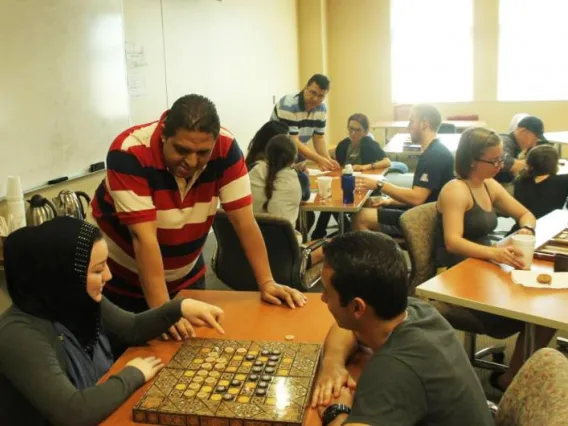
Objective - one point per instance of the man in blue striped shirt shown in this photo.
(305, 115)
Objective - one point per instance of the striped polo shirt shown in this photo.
(291, 111)
(139, 188)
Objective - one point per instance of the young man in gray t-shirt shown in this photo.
(418, 374)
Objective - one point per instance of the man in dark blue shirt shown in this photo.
(434, 169)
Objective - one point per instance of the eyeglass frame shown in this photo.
(494, 163)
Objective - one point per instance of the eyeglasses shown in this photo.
(495, 163)
(354, 129)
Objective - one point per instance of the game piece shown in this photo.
(231, 392)
(273, 357)
(289, 337)
(258, 363)
(544, 278)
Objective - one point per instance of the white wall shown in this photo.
(239, 53)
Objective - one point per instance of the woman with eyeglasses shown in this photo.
(466, 216)
(359, 150)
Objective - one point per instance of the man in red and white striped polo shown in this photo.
(157, 203)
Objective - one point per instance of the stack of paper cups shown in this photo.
(15, 199)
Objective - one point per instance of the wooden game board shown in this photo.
(232, 383)
(556, 245)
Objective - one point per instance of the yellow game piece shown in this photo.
(206, 350)
(243, 399)
(219, 367)
(247, 364)
(289, 337)
(240, 377)
(198, 361)
(222, 360)
(234, 391)
(270, 401)
(223, 383)
(214, 374)
(287, 361)
(216, 397)
(206, 389)
(206, 366)
(202, 373)
(283, 372)
(210, 360)
(189, 373)
(229, 350)
(237, 358)
(263, 358)
(241, 351)
(181, 386)
(194, 386)
(202, 395)
(210, 380)
(189, 393)
(253, 353)
(250, 385)
(231, 369)
(198, 379)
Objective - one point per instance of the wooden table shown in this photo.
(246, 317)
(488, 287)
(398, 145)
(335, 203)
(461, 125)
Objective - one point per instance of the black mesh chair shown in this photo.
(288, 259)
(447, 128)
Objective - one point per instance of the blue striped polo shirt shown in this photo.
(291, 111)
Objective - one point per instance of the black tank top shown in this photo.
(477, 225)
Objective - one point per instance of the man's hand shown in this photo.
(327, 164)
(331, 380)
(202, 314)
(378, 202)
(180, 330)
(274, 294)
(345, 397)
(363, 183)
(359, 168)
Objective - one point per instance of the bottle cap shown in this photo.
(348, 169)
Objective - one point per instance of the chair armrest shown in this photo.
(313, 245)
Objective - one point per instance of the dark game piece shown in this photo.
(258, 363)
(266, 378)
(274, 358)
(269, 370)
(253, 377)
(262, 385)
(272, 363)
(221, 389)
(275, 352)
(265, 352)
(249, 357)
(260, 392)
(235, 382)
(228, 397)
(256, 369)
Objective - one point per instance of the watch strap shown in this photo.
(530, 228)
(334, 410)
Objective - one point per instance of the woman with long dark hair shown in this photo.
(257, 146)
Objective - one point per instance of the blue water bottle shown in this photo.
(348, 185)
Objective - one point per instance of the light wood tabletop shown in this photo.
(403, 124)
(557, 137)
(488, 287)
(247, 318)
(399, 143)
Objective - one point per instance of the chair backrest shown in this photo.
(538, 394)
(448, 128)
(232, 266)
(463, 117)
(418, 227)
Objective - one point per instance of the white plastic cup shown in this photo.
(15, 203)
(525, 243)
(324, 186)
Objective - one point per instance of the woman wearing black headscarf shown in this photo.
(53, 340)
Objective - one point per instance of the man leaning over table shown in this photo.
(418, 374)
(305, 114)
(157, 204)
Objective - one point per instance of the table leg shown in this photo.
(303, 221)
(341, 223)
(530, 336)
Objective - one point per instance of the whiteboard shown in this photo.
(63, 93)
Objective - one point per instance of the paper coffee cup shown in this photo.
(324, 186)
(525, 244)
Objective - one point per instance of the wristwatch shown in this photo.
(333, 411)
(380, 184)
(530, 228)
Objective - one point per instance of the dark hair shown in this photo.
(361, 119)
(369, 265)
(193, 113)
(321, 80)
(473, 144)
(257, 145)
(429, 113)
(541, 160)
(97, 234)
(280, 152)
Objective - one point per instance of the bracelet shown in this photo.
(334, 410)
(529, 228)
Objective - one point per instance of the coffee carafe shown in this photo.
(40, 210)
(69, 203)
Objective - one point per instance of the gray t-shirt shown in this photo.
(421, 376)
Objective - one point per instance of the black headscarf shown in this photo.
(46, 273)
